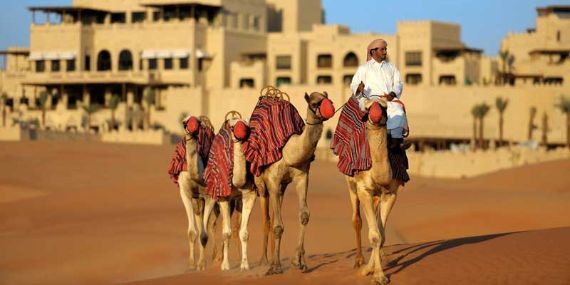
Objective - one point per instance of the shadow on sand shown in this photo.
(401, 262)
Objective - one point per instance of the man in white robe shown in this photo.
(382, 80)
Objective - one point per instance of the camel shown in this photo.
(298, 154)
(241, 188)
(192, 191)
(377, 192)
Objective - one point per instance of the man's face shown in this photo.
(381, 52)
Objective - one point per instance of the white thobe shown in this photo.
(379, 79)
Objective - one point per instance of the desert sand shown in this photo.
(91, 213)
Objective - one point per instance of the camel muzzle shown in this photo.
(192, 125)
(326, 109)
(241, 130)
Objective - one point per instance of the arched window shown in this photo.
(324, 61)
(350, 60)
(125, 60)
(103, 61)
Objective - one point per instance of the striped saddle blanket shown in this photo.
(351, 145)
(178, 161)
(272, 123)
(219, 170)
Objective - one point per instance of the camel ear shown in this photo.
(326, 94)
(307, 98)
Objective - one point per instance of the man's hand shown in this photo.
(389, 97)
(360, 88)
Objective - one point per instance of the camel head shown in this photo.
(320, 107)
(239, 126)
(377, 115)
(192, 125)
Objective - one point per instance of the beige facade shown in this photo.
(210, 56)
(540, 56)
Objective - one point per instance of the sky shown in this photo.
(483, 22)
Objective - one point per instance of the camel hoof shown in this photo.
(191, 267)
(201, 267)
(274, 269)
(299, 265)
(244, 266)
(366, 271)
(381, 281)
(225, 267)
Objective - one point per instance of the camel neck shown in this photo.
(310, 138)
(192, 157)
(239, 170)
(378, 141)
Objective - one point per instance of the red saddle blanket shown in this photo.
(219, 170)
(349, 141)
(351, 145)
(178, 161)
(272, 123)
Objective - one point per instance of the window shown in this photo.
(104, 61)
(558, 36)
(256, 23)
(184, 63)
(152, 64)
(283, 62)
(413, 78)
(138, 17)
(168, 63)
(87, 63)
(246, 83)
(40, 65)
(125, 60)
(70, 65)
(118, 18)
(447, 80)
(347, 79)
(414, 58)
(55, 65)
(324, 79)
(282, 81)
(350, 60)
(324, 61)
(156, 16)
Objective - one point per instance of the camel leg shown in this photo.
(302, 182)
(248, 199)
(264, 205)
(226, 232)
(198, 205)
(387, 201)
(276, 197)
(356, 223)
(209, 223)
(186, 196)
(212, 222)
(236, 220)
(366, 199)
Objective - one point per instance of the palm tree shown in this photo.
(564, 106)
(474, 113)
(545, 129)
(501, 105)
(531, 125)
(148, 97)
(89, 110)
(42, 100)
(480, 112)
(504, 55)
(3, 98)
(113, 104)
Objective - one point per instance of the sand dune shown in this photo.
(88, 213)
